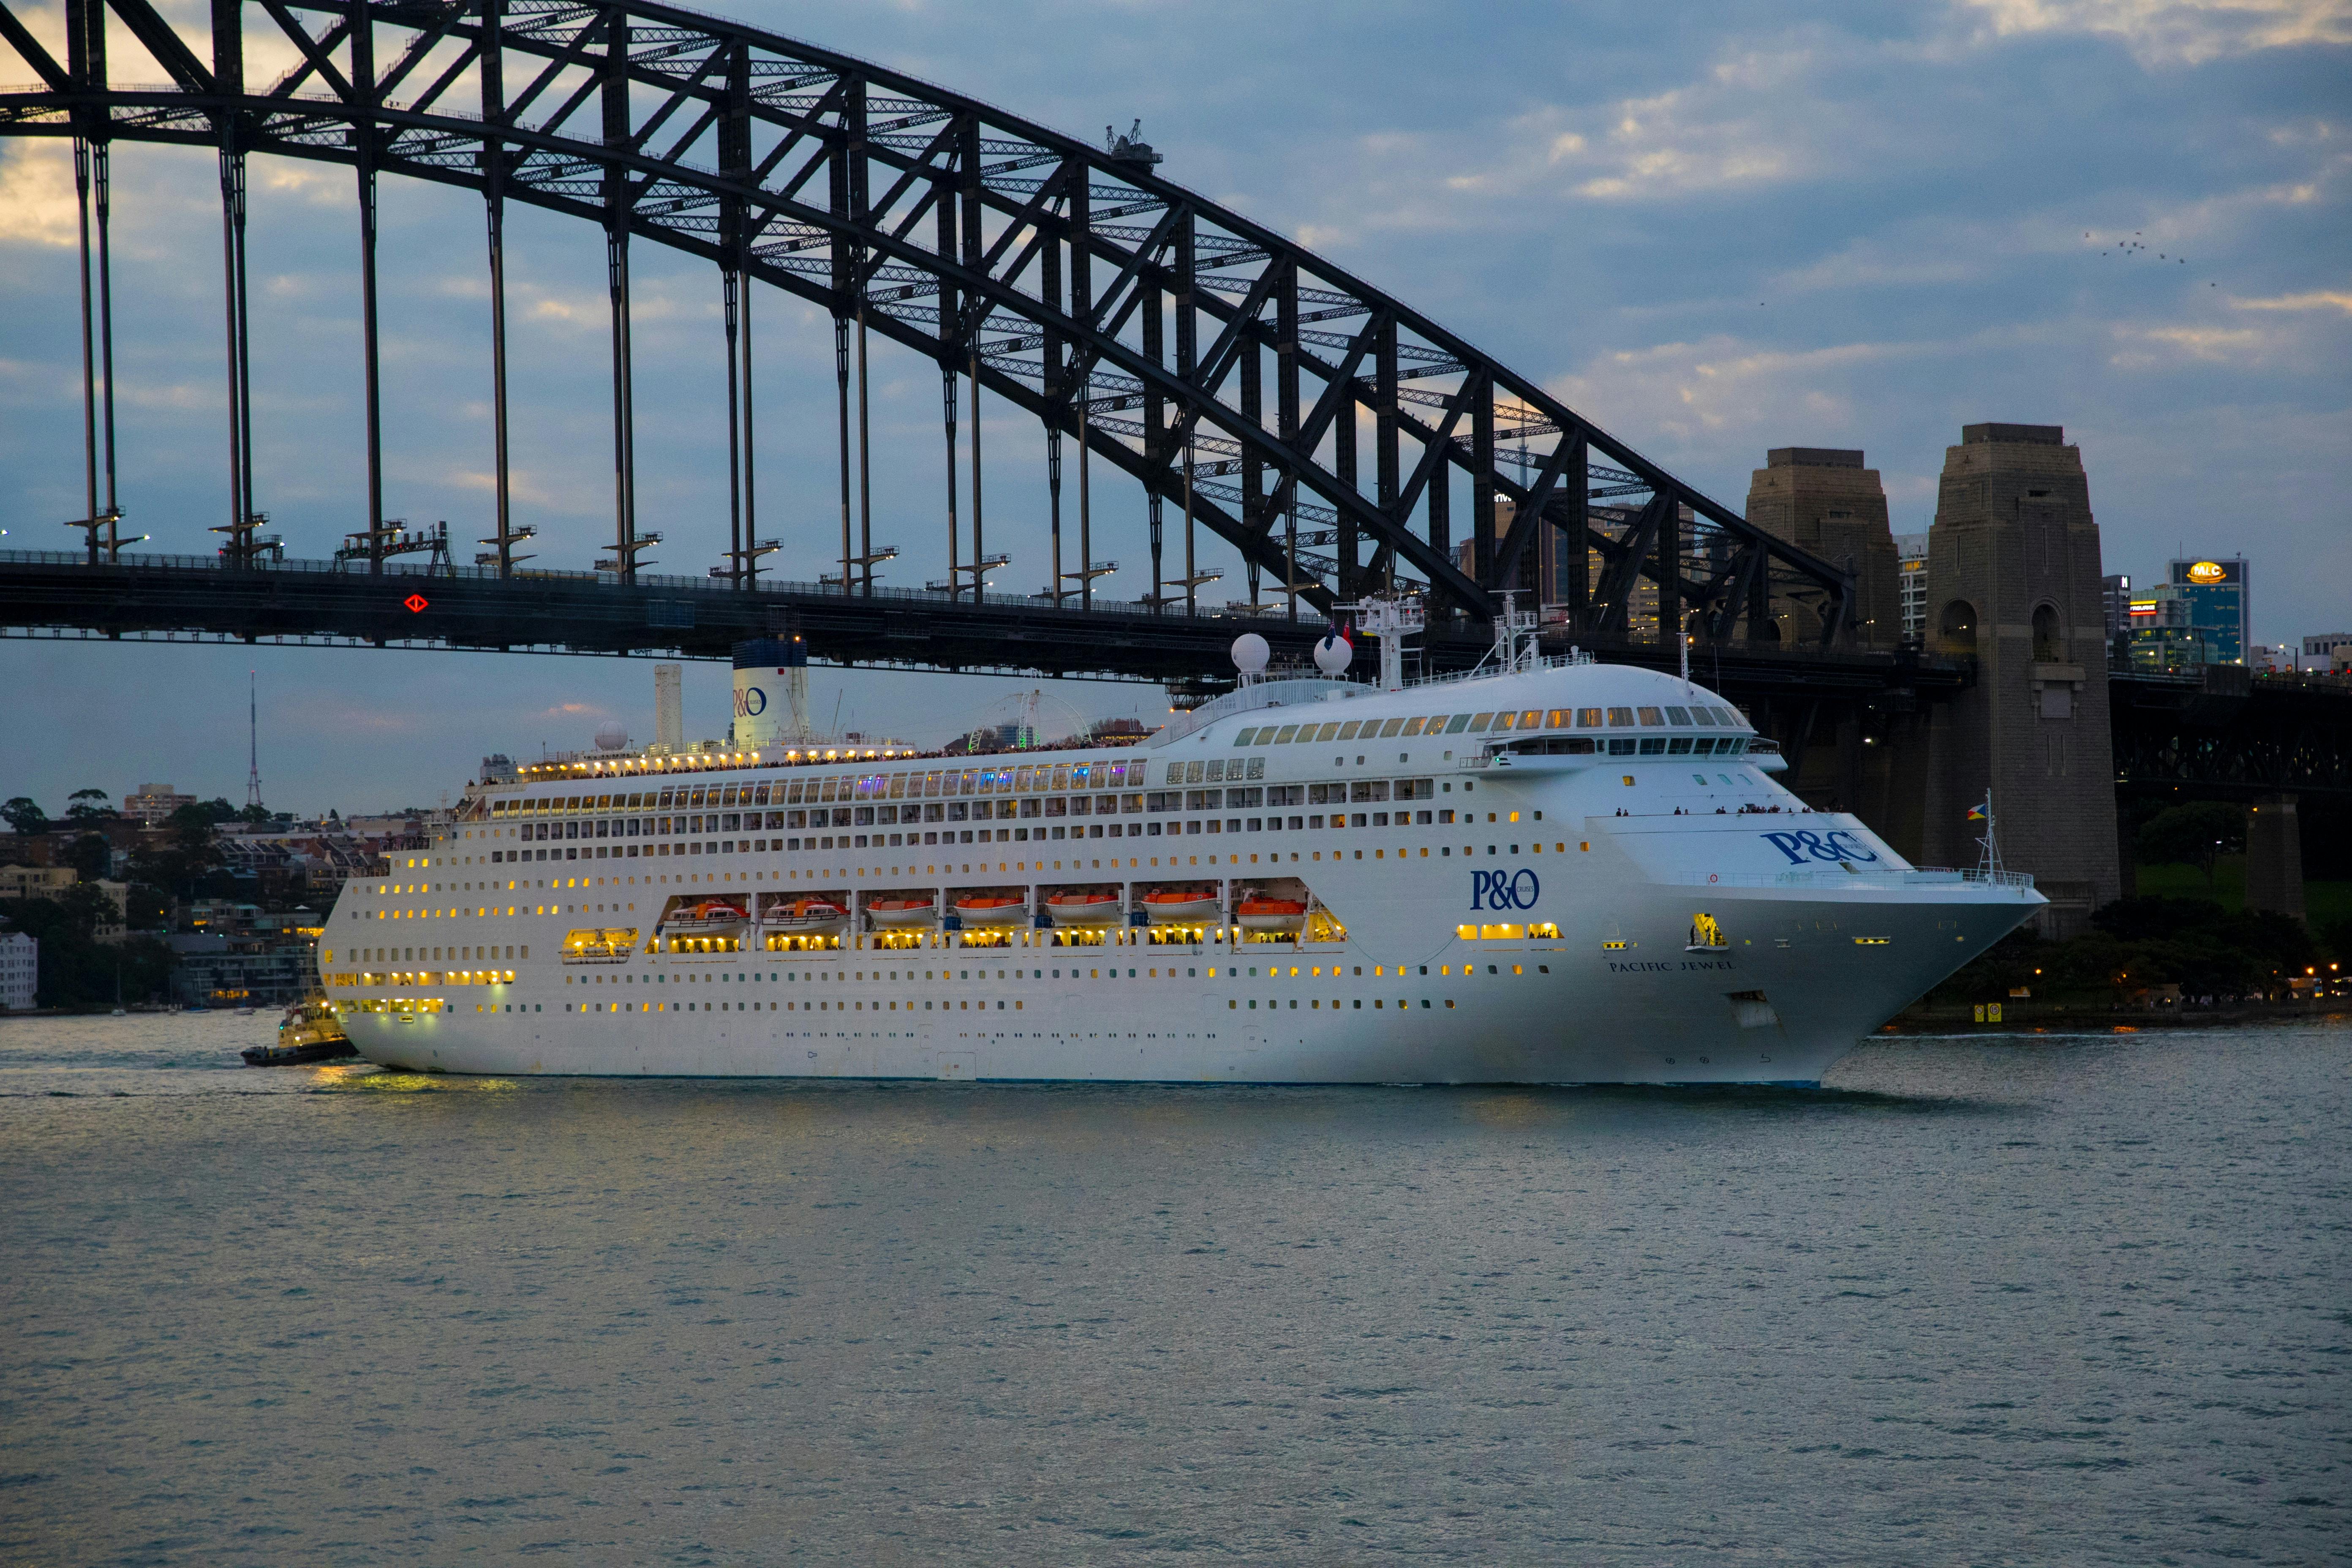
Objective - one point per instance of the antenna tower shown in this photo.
(253, 738)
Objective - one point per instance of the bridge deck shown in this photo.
(61, 593)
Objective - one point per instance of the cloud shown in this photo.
(2153, 347)
(38, 206)
(1722, 389)
(2177, 32)
(2317, 299)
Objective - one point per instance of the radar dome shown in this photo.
(1250, 653)
(1333, 652)
(611, 735)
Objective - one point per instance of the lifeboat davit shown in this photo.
(1281, 916)
(1180, 906)
(709, 915)
(807, 917)
(991, 910)
(1088, 909)
(901, 914)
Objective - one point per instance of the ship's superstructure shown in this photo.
(1554, 871)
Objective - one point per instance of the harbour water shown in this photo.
(2043, 1300)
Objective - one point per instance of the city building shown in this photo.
(2220, 605)
(233, 972)
(35, 881)
(2329, 651)
(1911, 584)
(50, 881)
(2115, 605)
(153, 803)
(20, 971)
(1824, 500)
(1553, 580)
(2161, 636)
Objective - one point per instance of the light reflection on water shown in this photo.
(2052, 1300)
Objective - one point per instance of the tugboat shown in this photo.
(310, 1032)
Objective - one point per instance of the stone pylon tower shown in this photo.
(1824, 500)
(2013, 581)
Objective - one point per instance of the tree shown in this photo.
(189, 851)
(25, 817)
(217, 810)
(90, 855)
(257, 813)
(88, 805)
(2194, 835)
(78, 970)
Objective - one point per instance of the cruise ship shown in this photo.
(1551, 870)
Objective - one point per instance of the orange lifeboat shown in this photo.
(902, 914)
(1180, 906)
(707, 915)
(1087, 910)
(807, 917)
(991, 911)
(1272, 916)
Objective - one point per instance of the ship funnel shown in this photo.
(771, 694)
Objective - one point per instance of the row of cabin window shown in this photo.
(1359, 791)
(1487, 723)
(922, 786)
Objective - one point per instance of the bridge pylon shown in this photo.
(2013, 584)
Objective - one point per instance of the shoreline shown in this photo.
(2030, 1019)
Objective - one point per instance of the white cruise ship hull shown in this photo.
(1662, 921)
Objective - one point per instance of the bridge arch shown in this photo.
(1956, 628)
(1115, 307)
(2049, 635)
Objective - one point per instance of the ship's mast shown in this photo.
(1390, 619)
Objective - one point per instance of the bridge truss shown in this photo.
(1233, 375)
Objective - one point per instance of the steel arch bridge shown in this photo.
(1068, 279)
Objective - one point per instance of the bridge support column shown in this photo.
(624, 408)
(2013, 584)
(2275, 856)
(730, 287)
(841, 388)
(864, 463)
(979, 546)
(99, 160)
(88, 352)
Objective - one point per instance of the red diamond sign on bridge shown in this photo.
(415, 602)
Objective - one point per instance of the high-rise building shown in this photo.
(669, 709)
(2219, 604)
(1554, 558)
(20, 971)
(1824, 500)
(2115, 605)
(2013, 583)
(153, 803)
(1911, 583)
(2158, 635)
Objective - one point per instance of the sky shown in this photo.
(1712, 229)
